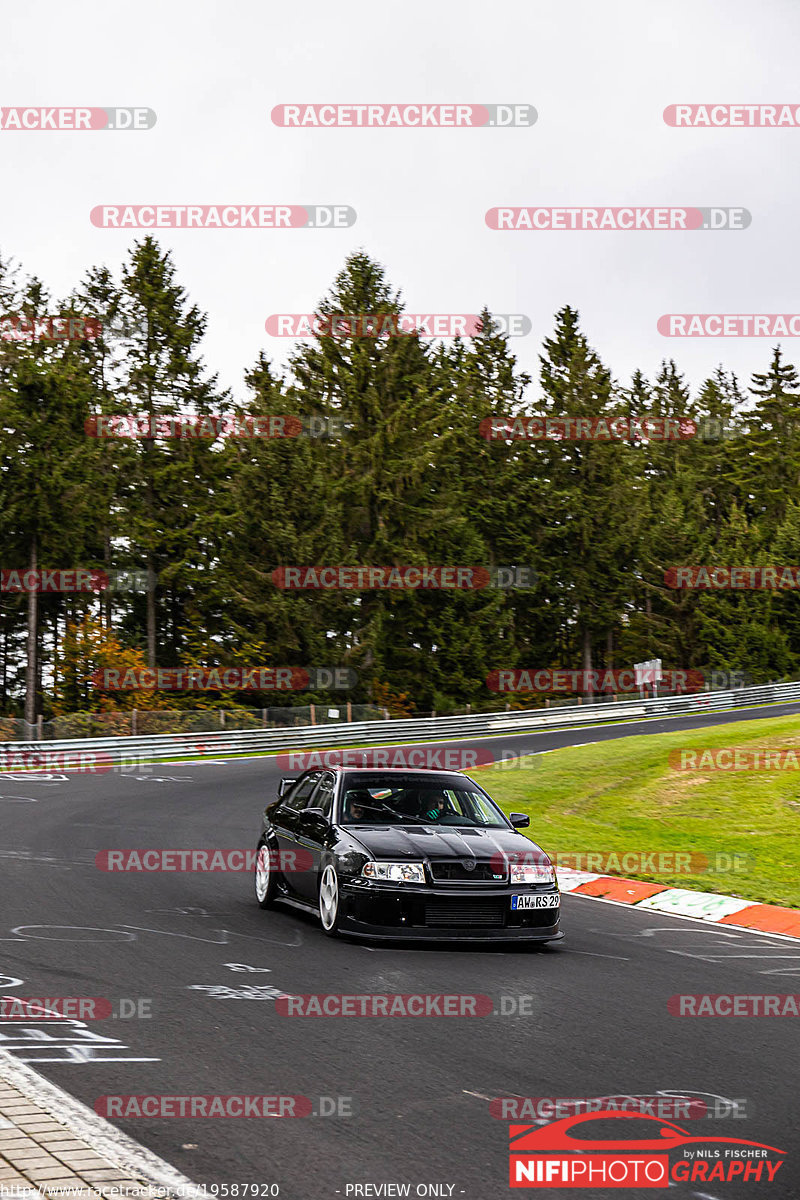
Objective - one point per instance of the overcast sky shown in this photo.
(599, 75)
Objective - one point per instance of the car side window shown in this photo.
(323, 796)
(299, 795)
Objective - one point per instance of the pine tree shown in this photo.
(171, 493)
(771, 449)
(785, 606)
(45, 393)
(740, 628)
(720, 432)
(593, 503)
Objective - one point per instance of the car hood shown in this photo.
(401, 842)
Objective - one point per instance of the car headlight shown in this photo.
(532, 873)
(395, 872)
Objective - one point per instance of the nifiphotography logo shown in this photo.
(627, 1150)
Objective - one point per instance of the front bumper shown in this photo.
(411, 912)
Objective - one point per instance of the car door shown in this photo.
(313, 835)
(284, 822)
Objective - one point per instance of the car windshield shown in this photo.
(396, 799)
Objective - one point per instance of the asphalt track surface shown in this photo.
(419, 1088)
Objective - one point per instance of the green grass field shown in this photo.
(623, 796)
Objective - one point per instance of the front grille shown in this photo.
(454, 870)
(459, 913)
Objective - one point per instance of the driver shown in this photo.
(435, 803)
(357, 809)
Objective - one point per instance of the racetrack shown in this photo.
(420, 1088)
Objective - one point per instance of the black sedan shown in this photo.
(417, 855)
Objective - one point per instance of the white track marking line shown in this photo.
(99, 1134)
(592, 954)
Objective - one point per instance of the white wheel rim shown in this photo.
(262, 873)
(328, 898)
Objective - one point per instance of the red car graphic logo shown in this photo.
(559, 1137)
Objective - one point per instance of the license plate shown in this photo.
(550, 900)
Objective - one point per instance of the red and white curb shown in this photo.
(680, 902)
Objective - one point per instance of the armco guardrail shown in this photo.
(381, 733)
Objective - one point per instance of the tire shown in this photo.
(266, 882)
(329, 901)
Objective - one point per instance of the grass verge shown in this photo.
(622, 796)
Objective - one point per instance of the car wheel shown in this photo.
(265, 879)
(329, 901)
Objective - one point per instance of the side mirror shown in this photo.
(519, 820)
(284, 786)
